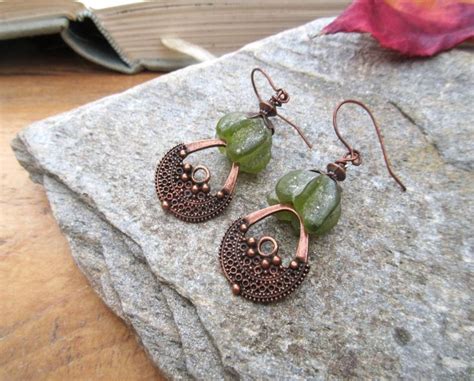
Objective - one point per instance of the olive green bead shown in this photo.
(249, 141)
(316, 204)
(330, 221)
(315, 197)
(273, 199)
(292, 184)
(229, 124)
(257, 161)
(252, 135)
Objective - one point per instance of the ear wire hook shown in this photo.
(269, 108)
(337, 169)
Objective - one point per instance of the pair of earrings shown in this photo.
(310, 200)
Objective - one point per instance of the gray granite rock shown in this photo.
(141, 300)
(84, 242)
(389, 292)
(151, 308)
(137, 295)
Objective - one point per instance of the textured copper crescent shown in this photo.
(259, 276)
(182, 194)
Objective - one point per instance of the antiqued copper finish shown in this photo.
(251, 241)
(257, 277)
(263, 240)
(294, 264)
(189, 198)
(206, 177)
(276, 260)
(243, 227)
(269, 108)
(251, 253)
(185, 196)
(235, 289)
(265, 264)
(337, 170)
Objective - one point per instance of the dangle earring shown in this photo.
(308, 199)
(246, 140)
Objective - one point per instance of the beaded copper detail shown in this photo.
(185, 195)
(255, 274)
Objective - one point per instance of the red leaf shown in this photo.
(412, 27)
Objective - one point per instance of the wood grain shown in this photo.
(52, 324)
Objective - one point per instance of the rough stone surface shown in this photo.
(141, 300)
(389, 294)
(137, 294)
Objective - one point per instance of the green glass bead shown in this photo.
(316, 204)
(315, 197)
(330, 221)
(273, 199)
(251, 135)
(292, 184)
(248, 140)
(257, 160)
(228, 125)
(250, 146)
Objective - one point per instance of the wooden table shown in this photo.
(52, 324)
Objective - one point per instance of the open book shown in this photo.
(158, 35)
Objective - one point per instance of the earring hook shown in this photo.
(269, 108)
(280, 92)
(337, 169)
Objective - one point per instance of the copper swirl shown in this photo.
(253, 274)
(184, 196)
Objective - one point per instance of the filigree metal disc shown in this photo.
(186, 199)
(249, 275)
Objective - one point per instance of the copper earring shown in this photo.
(245, 138)
(310, 201)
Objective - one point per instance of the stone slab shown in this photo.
(389, 293)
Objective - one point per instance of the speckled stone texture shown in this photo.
(389, 294)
